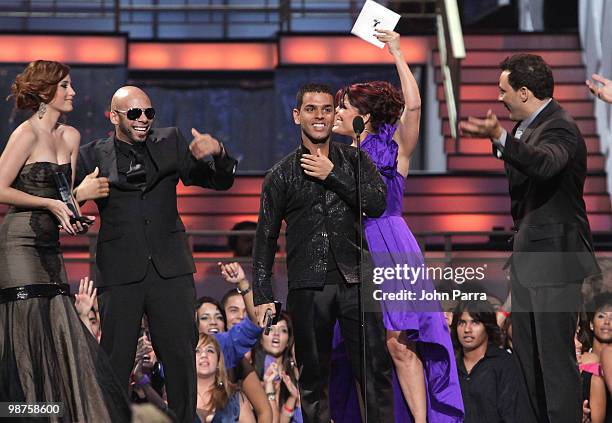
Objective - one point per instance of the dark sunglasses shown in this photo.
(135, 113)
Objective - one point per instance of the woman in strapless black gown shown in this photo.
(46, 353)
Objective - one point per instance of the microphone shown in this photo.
(358, 125)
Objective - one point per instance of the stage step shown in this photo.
(595, 162)
(478, 108)
(587, 126)
(484, 92)
(483, 146)
(522, 41)
(490, 75)
(492, 58)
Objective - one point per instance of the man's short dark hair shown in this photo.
(229, 294)
(311, 87)
(481, 312)
(530, 71)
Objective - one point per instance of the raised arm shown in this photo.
(234, 273)
(217, 174)
(407, 134)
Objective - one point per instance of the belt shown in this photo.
(33, 291)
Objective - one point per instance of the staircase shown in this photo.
(479, 76)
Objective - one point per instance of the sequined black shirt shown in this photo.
(319, 215)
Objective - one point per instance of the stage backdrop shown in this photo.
(251, 115)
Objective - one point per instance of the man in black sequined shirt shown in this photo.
(314, 191)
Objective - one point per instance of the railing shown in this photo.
(452, 51)
(198, 18)
(445, 254)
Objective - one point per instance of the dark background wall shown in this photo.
(94, 88)
(251, 114)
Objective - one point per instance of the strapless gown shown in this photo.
(46, 353)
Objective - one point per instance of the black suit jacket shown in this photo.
(138, 226)
(546, 171)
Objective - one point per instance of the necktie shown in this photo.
(519, 132)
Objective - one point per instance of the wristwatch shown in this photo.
(271, 396)
(243, 293)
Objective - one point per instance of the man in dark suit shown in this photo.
(144, 262)
(546, 163)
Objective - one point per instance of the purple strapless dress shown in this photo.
(391, 243)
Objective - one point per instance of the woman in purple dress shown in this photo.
(418, 338)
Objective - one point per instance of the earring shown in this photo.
(42, 108)
(218, 381)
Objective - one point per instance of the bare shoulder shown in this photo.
(70, 135)
(589, 357)
(19, 147)
(24, 135)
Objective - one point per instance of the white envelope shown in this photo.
(374, 16)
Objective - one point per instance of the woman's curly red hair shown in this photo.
(380, 99)
(38, 83)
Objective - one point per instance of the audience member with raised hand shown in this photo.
(234, 343)
(274, 362)
(84, 302)
(603, 92)
(147, 385)
(148, 376)
(234, 273)
(235, 307)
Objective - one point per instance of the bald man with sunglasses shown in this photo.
(143, 259)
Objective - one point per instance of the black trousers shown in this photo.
(543, 327)
(314, 313)
(169, 305)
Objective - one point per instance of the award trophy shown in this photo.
(66, 196)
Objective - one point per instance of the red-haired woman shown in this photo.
(46, 354)
(418, 338)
